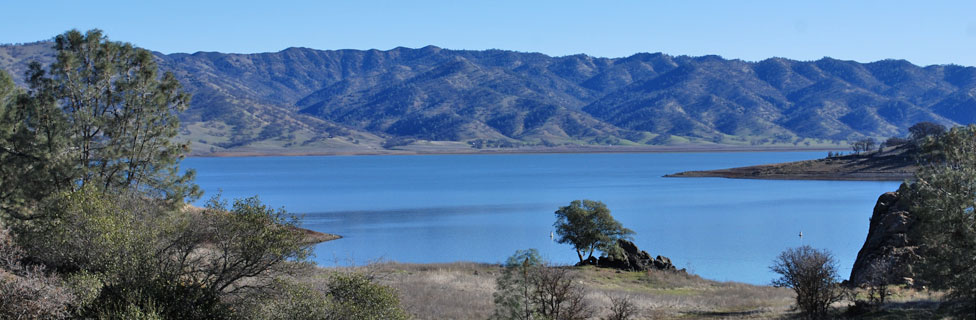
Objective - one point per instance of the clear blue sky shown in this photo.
(923, 32)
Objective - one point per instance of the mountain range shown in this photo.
(332, 101)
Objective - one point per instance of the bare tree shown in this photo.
(812, 274)
(882, 271)
(622, 308)
(863, 145)
(529, 288)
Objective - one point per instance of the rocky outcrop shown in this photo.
(888, 253)
(632, 259)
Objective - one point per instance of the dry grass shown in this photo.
(464, 291)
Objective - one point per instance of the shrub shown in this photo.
(529, 288)
(812, 274)
(355, 296)
(26, 292)
(622, 308)
(176, 264)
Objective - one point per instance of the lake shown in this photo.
(442, 208)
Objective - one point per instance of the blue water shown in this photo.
(442, 208)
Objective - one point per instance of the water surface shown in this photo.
(442, 208)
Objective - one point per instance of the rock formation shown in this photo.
(888, 253)
(633, 259)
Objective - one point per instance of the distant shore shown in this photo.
(526, 150)
(896, 164)
(315, 237)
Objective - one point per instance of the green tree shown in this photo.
(588, 226)
(924, 129)
(943, 202)
(100, 114)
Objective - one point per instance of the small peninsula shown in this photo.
(891, 164)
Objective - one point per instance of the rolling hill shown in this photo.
(301, 100)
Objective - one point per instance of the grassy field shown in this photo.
(463, 290)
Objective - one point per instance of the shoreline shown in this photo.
(560, 150)
(313, 237)
(896, 164)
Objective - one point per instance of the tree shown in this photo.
(90, 186)
(622, 307)
(100, 115)
(529, 288)
(943, 202)
(895, 141)
(863, 145)
(921, 130)
(588, 226)
(812, 274)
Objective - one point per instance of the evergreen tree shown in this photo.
(944, 202)
(100, 115)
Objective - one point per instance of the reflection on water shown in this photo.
(484, 207)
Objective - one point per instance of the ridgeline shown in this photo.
(435, 100)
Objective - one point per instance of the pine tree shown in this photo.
(100, 115)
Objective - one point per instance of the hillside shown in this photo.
(301, 100)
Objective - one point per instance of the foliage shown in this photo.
(90, 186)
(925, 129)
(895, 141)
(588, 226)
(347, 296)
(100, 115)
(812, 274)
(162, 261)
(529, 288)
(863, 145)
(943, 202)
(291, 300)
(355, 296)
(248, 241)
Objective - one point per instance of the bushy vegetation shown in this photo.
(346, 296)
(93, 220)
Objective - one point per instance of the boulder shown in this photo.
(663, 263)
(634, 259)
(591, 261)
(889, 249)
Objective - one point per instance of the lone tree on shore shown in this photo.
(588, 226)
(812, 274)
